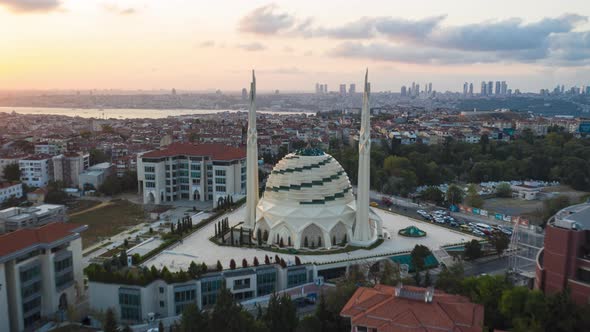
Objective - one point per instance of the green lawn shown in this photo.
(108, 220)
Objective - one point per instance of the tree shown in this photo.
(473, 250)
(256, 263)
(110, 322)
(226, 315)
(449, 278)
(427, 279)
(500, 241)
(473, 199)
(434, 195)
(504, 190)
(123, 258)
(390, 274)
(232, 264)
(111, 186)
(244, 263)
(98, 156)
(418, 254)
(193, 269)
(281, 314)
(455, 195)
(219, 266)
(12, 172)
(193, 319)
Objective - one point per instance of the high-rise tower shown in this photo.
(362, 231)
(251, 161)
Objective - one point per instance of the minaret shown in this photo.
(251, 161)
(362, 231)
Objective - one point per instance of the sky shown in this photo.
(204, 45)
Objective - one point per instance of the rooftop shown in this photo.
(574, 217)
(32, 238)
(215, 151)
(406, 308)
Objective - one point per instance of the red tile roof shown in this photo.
(381, 309)
(28, 237)
(215, 151)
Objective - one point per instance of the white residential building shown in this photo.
(37, 170)
(8, 160)
(47, 148)
(40, 275)
(8, 190)
(182, 171)
(95, 175)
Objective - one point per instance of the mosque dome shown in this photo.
(308, 202)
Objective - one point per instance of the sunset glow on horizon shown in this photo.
(198, 45)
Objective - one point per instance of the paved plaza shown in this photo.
(198, 248)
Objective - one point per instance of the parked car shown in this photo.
(478, 232)
(374, 204)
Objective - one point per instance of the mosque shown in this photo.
(308, 200)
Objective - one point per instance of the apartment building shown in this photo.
(199, 172)
(67, 167)
(15, 218)
(40, 275)
(47, 148)
(9, 160)
(9, 189)
(36, 170)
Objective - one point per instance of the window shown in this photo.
(150, 185)
(161, 290)
(130, 302)
(583, 275)
(219, 172)
(296, 278)
(184, 296)
(196, 167)
(220, 189)
(266, 283)
(149, 169)
(150, 176)
(162, 304)
(242, 283)
(220, 180)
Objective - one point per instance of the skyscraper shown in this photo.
(504, 88)
(471, 89)
(490, 88)
(465, 88)
(343, 89)
(483, 88)
(352, 89)
(498, 87)
(403, 91)
(325, 88)
(417, 91)
(430, 87)
(317, 88)
(244, 94)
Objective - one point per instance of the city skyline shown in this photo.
(137, 44)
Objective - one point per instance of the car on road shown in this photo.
(374, 204)
(478, 232)
(424, 214)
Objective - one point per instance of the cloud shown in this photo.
(207, 43)
(254, 46)
(265, 21)
(510, 34)
(402, 29)
(29, 6)
(425, 55)
(116, 9)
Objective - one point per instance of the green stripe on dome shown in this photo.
(307, 184)
(327, 198)
(303, 168)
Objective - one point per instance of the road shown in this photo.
(497, 266)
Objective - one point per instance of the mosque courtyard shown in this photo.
(198, 248)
